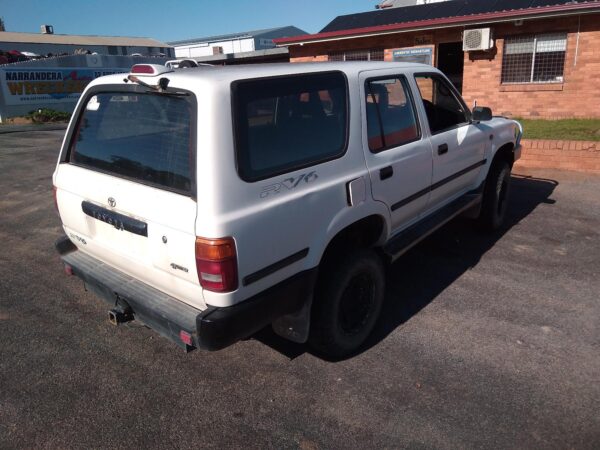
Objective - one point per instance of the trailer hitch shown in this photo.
(121, 313)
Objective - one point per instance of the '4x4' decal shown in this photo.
(289, 183)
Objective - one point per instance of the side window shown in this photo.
(391, 118)
(285, 123)
(443, 109)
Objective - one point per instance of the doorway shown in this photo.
(450, 60)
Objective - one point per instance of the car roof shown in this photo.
(228, 74)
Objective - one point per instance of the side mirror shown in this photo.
(481, 113)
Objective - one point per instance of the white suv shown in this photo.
(210, 202)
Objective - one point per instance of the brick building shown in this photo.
(543, 59)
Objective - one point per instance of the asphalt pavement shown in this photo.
(486, 341)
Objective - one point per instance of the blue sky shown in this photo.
(173, 20)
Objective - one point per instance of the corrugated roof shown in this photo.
(441, 10)
(239, 35)
(72, 39)
(449, 13)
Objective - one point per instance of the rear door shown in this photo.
(398, 155)
(126, 186)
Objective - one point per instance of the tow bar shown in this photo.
(121, 314)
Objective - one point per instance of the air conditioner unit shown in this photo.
(477, 39)
(47, 29)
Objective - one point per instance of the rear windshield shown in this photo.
(144, 137)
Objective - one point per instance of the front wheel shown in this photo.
(495, 196)
(347, 303)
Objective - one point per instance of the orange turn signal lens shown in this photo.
(216, 263)
(215, 249)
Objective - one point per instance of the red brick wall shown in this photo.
(320, 50)
(577, 96)
(571, 155)
(316, 58)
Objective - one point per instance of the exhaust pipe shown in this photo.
(116, 316)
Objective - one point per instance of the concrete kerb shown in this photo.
(4, 129)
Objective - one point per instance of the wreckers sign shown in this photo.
(49, 85)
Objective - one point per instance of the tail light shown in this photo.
(145, 69)
(216, 263)
(149, 69)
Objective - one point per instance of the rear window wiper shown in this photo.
(167, 93)
(160, 88)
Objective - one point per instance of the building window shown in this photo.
(113, 50)
(534, 59)
(357, 55)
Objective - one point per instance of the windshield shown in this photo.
(144, 137)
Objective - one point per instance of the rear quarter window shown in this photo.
(287, 123)
(142, 137)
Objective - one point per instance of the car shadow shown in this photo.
(420, 275)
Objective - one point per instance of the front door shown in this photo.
(458, 145)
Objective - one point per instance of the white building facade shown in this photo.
(247, 41)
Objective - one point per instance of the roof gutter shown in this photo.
(496, 17)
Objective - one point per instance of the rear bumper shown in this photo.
(210, 329)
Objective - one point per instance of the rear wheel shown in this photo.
(495, 196)
(347, 303)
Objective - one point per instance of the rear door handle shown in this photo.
(443, 148)
(386, 173)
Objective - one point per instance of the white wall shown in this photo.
(204, 49)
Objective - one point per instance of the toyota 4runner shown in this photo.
(209, 202)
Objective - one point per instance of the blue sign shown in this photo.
(52, 84)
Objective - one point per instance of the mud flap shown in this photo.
(295, 326)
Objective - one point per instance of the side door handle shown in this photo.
(443, 148)
(386, 173)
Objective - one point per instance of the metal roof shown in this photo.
(71, 39)
(240, 35)
(455, 8)
(435, 15)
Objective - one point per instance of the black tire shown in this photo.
(495, 196)
(347, 303)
